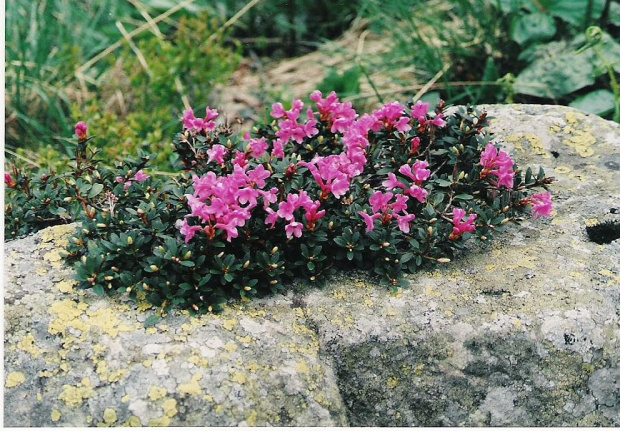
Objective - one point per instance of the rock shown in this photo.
(522, 332)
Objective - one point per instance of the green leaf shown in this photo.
(99, 290)
(573, 11)
(599, 102)
(535, 27)
(464, 197)
(443, 183)
(310, 266)
(188, 263)
(95, 190)
(151, 321)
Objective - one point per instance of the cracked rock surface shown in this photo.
(522, 332)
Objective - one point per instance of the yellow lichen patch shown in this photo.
(54, 257)
(518, 324)
(251, 420)
(608, 273)
(534, 141)
(14, 379)
(156, 393)
(105, 319)
(57, 234)
(238, 377)
(147, 363)
(68, 315)
(448, 313)
(65, 286)
(28, 345)
(229, 324)
(208, 398)
(340, 294)
(55, 415)
(170, 407)
(151, 331)
(197, 360)
(39, 397)
(591, 222)
(74, 396)
(109, 416)
(48, 374)
(581, 138)
(40, 270)
(392, 382)
(133, 421)
(231, 347)
(428, 290)
(125, 399)
(160, 422)
(245, 339)
(192, 387)
(562, 169)
(253, 368)
(302, 367)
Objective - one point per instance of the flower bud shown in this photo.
(247, 288)
(210, 308)
(195, 307)
(433, 220)
(129, 240)
(385, 244)
(68, 199)
(461, 175)
(154, 268)
(187, 255)
(505, 209)
(246, 264)
(273, 282)
(85, 231)
(274, 250)
(443, 260)
(84, 259)
(146, 287)
(81, 130)
(220, 254)
(102, 225)
(429, 230)
(108, 278)
(505, 221)
(484, 238)
(331, 225)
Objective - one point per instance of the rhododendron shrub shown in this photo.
(320, 188)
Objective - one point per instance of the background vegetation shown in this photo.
(129, 67)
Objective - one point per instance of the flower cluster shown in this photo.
(223, 204)
(390, 192)
(206, 124)
(498, 164)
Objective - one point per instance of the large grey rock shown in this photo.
(523, 332)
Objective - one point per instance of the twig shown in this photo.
(234, 19)
(80, 71)
(134, 48)
(147, 17)
(19, 156)
(430, 83)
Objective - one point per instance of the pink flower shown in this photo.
(188, 231)
(216, 153)
(391, 115)
(9, 181)
(460, 226)
(369, 220)
(420, 110)
(404, 220)
(277, 110)
(311, 212)
(498, 164)
(81, 130)
(258, 147)
(258, 176)
(392, 183)
(272, 217)
(415, 145)
(421, 174)
(380, 200)
(190, 122)
(543, 206)
(230, 228)
(293, 228)
(417, 192)
(140, 176)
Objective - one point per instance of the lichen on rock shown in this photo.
(523, 332)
